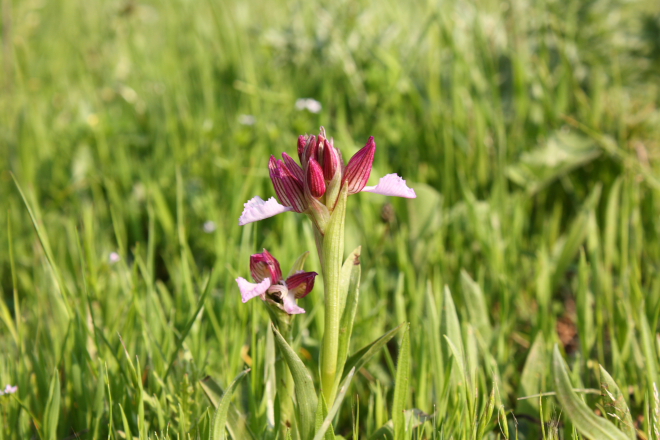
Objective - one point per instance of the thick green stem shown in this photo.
(333, 253)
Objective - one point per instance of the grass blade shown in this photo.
(363, 356)
(219, 422)
(400, 399)
(52, 411)
(586, 422)
(306, 400)
(620, 412)
(327, 423)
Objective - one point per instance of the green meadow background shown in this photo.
(529, 129)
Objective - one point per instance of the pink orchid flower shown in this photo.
(270, 285)
(302, 188)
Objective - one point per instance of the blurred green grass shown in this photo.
(530, 131)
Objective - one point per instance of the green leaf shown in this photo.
(127, 426)
(577, 233)
(45, 244)
(614, 399)
(348, 317)
(346, 274)
(189, 325)
(219, 422)
(326, 426)
(562, 153)
(532, 378)
(648, 349)
(52, 411)
(235, 422)
(306, 400)
(321, 414)
(451, 329)
(299, 264)
(475, 303)
(585, 307)
(586, 422)
(400, 399)
(363, 355)
(414, 418)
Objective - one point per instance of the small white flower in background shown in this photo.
(114, 257)
(9, 389)
(309, 104)
(209, 226)
(247, 120)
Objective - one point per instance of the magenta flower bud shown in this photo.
(293, 167)
(264, 266)
(320, 148)
(309, 146)
(311, 150)
(302, 142)
(315, 180)
(358, 170)
(331, 161)
(301, 283)
(288, 188)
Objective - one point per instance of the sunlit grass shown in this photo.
(530, 131)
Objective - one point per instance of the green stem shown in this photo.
(333, 252)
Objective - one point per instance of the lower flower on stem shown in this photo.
(272, 288)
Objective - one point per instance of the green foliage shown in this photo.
(579, 413)
(138, 129)
(218, 428)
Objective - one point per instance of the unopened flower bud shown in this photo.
(315, 180)
(302, 142)
(331, 161)
(289, 189)
(293, 167)
(359, 167)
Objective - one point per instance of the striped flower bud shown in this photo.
(331, 161)
(289, 188)
(315, 180)
(358, 170)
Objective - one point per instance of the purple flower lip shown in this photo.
(265, 270)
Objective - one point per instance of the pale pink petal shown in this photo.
(257, 209)
(250, 290)
(9, 389)
(392, 185)
(289, 304)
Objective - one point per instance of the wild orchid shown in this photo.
(319, 187)
(271, 287)
(313, 187)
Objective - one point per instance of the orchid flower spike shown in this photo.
(270, 286)
(315, 184)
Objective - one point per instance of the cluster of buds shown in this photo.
(313, 187)
(272, 288)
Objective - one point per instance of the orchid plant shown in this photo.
(318, 187)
